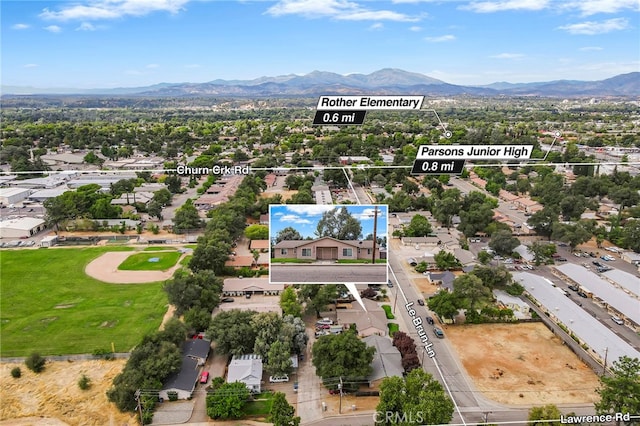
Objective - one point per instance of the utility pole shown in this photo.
(340, 389)
(139, 406)
(604, 366)
(486, 417)
(375, 227)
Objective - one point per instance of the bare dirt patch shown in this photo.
(522, 364)
(362, 403)
(283, 192)
(105, 268)
(53, 398)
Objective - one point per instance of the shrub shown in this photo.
(16, 372)
(172, 395)
(35, 362)
(84, 383)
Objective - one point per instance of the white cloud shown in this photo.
(592, 7)
(368, 214)
(590, 48)
(504, 5)
(30, 66)
(441, 39)
(337, 9)
(376, 26)
(86, 26)
(53, 28)
(20, 26)
(415, 28)
(507, 56)
(292, 218)
(309, 210)
(151, 66)
(594, 27)
(112, 9)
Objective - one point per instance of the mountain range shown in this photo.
(388, 81)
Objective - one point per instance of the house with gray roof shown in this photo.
(371, 321)
(184, 381)
(387, 361)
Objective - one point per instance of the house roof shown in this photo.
(185, 378)
(22, 223)
(196, 348)
(250, 284)
(387, 361)
(374, 317)
(464, 256)
(246, 369)
(300, 243)
(259, 244)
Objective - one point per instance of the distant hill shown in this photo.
(389, 81)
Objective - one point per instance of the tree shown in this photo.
(445, 260)
(484, 257)
(418, 227)
(201, 289)
(187, 218)
(338, 223)
(444, 304)
(471, 289)
(174, 184)
(317, 297)
(287, 234)
(620, 392)
(414, 400)
(282, 414)
(572, 234)
(541, 251)
(342, 355)
(545, 413)
(84, 382)
(35, 362)
(631, 235)
(162, 197)
(279, 359)
(198, 318)
(154, 209)
(228, 401)
(503, 242)
(289, 302)
(257, 232)
(543, 220)
(266, 326)
(294, 331)
(232, 332)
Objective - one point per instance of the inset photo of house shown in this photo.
(328, 244)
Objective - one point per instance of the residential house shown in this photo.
(328, 248)
(246, 369)
(371, 321)
(444, 279)
(260, 245)
(183, 382)
(242, 286)
(387, 361)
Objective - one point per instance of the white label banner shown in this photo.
(474, 152)
(370, 102)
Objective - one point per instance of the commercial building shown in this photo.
(23, 227)
(10, 196)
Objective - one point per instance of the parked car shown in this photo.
(324, 321)
(561, 259)
(389, 284)
(574, 288)
(227, 300)
(420, 302)
(439, 334)
(598, 264)
(204, 378)
(429, 320)
(247, 295)
(278, 379)
(582, 294)
(617, 320)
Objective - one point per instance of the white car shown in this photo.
(278, 379)
(617, 320)
(324, 321)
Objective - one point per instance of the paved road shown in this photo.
(330, 273)
(309, 406)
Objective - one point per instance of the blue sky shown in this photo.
(128, 43)
(305, 217)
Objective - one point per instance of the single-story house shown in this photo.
(520, 308)
(184, 381)
(248, 261)
(387, 361)
(242, 286)
(259, 245)
(371, 321)
(465, 257)
(246, 369)
(444, 279)
(327, 248)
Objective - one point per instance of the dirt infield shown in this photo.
(522, 364)
(53, 397)
(105, 268)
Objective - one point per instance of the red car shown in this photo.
(205, 377)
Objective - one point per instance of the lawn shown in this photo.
(387, 310)
(49, 305)
(290, 260)
(364, 261)
(260, 406)
(140, 261)
(393, 327)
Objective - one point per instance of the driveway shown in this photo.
(310, 389)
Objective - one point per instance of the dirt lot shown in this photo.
(522, 364)
(55, 395)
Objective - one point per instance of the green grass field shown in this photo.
(158, 248)
(49, 305)
(140, 261)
